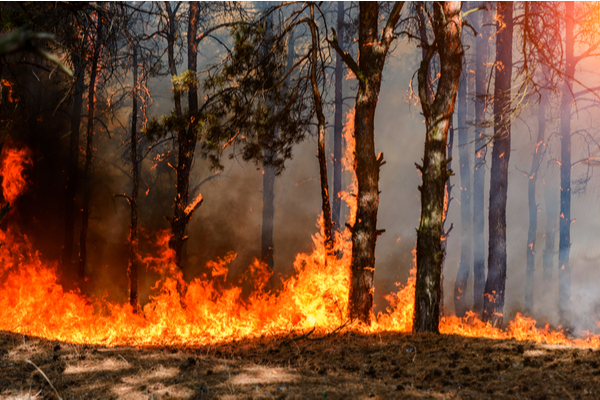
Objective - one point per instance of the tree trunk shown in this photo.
(464, 267)
(187, 139)
(326, 207)
(552, 204)
(338, 127)
(89, 154)
(564, 241)
(538, 155)
(481, 57)
(372, 54)
(72, 168)
(132, 271)
(267, 248)
(493, 302)
(447, 25)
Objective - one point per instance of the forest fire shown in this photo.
(315, 298)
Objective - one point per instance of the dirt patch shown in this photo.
(347, 365)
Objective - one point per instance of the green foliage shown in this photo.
(261, 108)
(184, 81)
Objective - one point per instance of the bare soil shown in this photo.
(347, 365)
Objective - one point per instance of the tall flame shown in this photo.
(315, 297)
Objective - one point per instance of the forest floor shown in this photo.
(347, 365)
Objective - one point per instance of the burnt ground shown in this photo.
(347, 365)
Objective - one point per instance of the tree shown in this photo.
(338, 126)
(447, 26)
(211, 16)
(89, 149)
(538, 156)
(493, 303)
(564, 240)
(466, 237)
(372, 55)
(481, 57)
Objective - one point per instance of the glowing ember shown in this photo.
(33, 303)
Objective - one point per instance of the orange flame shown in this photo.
(316, 296)
(14, 162)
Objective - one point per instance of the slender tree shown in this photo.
(481, 59)
(564, 240)
(338, 126)
(538, 155)
(447, 26)
(89, 149)
(466, 251)
(493, 303)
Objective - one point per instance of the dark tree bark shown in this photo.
(538, 155)
(552, 204)
(338, 126)
(186, 141)
(447, 24)
(564, 241)
(493, 302)
(481, 59)
(372, 54)
(73, 167)
(326, 206)
(267, 247)
(466, 251)
(132, 271)
(89, 154)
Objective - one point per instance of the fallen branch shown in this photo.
(307, 335)
(47, 380)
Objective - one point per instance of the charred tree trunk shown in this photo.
(479, 173)
(493, 302)
(132, 271)
(89, 154)
(552, 204)
(186, 147)
(372, 55)
(267, 249)
(464, 267)
(268, 214)
(538, 155)
(564, 241)
(326, 206)
(447, 25)
(73, 167)
(338, 127)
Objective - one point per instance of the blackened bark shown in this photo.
(267, 244)
(338, 127)
(372, 55)
(132, 271)
(187, 139)
(89, 154)
(552, 204)
(564, 241)
(73, 167)
(464, 267)
(538, 155)
(447, 23)
(481, 57)
(268, 214)
(326, 206)
(493, 302)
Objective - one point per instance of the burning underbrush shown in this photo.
(207, 310)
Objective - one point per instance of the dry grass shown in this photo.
(344, 366)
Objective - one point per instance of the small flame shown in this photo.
(14, 163)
